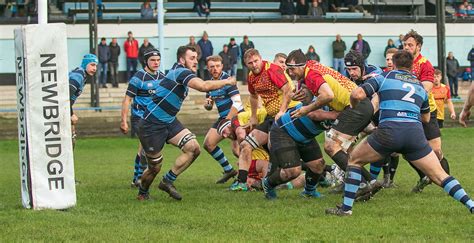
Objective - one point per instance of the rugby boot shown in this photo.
(421, 184)
(226, 176)
(143, 196)
(270, 193)
(364, 193)
(338, 211)
(310, 194)
(168, 187)
(339, 189)
(238, 186)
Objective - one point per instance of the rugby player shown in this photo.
(77, 80)
(228, 103)
(441, 94)
(292, 141)
(140, 90)
(269, 82)
(236, 129)
(280, 59)
(403, 105)
(332, 89)
(424, 71)
(159, 124)
(466, 110)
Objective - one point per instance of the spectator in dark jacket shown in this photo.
(338, 49)
(131, 50)
(234, 50)
(244, 46)
(193, 43)
(113, 61)
(390, 45)
(104, 56)
(361, 46)
(143, 48)
(206, 51)
(227, 59)
(470, 58)
(311, 54)
(315, 9)
(302, 7)
(452, 66)
(287, 7)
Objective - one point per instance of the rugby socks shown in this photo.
(420, 173)
(375, 169)
(311, 180)
(136, 172)
(219, 156)
(242, 177)
(455, 190)
(445, 165)
(351, 185)
(341, 158)
(393, 166)
(170, 176)
(142, 190)
(274, 179)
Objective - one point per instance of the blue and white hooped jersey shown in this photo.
(141, 88)
(370, 70)
(402, 96)
(169, 95)
(222, 96)
(302, 129)
(77, 80)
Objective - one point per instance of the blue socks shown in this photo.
(455, 190)
(351, 185)
(170, 176)
(219, 156)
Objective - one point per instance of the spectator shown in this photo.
(399, 42)
(338, 49)
(104, 56)
(287, 7)
(354, 6)
(390, 45)
(207, 50)
(235, 52)
(441, 94)
(146, 11)
(113, 62)
(311, 54)
(143, 49)
(244, 46)
(315, 9)
(302, 7)
(470, 57)
(452, 66)
(361, 46)
(131, 50)
(202, 7)
(193, 43)
(100, 9)
(226, 59)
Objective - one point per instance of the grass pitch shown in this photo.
(107, 209)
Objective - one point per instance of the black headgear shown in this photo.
(354, 58)
(150, 53)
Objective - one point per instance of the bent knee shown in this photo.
(290, 173)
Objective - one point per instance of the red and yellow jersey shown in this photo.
(257, 154)
(441, 94)
(260, 154)
(243, 117)
(317, 74)
(424, 71)
(267, 84)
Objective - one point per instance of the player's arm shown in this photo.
(253, 108)
(325, 96)
(286, 98)
(452, 113)
(322, 115)
(127, 100)
(369, 88)
(203, 86)
(236, 106)
(466, 110)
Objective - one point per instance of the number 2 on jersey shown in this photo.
(408, 97)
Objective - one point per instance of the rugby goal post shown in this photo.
(44, 120)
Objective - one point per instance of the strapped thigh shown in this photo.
(185, 139)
